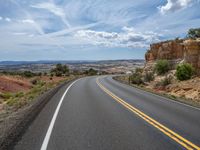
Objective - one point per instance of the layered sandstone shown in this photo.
(176, 51)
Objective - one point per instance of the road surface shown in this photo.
(99, 113)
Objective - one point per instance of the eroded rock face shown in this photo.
(176, 51)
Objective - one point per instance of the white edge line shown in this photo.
(49, 131)
(168, 99)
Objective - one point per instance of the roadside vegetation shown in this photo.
(194, 33)
(162, 67)
(184, 71)
(18, 89)
(13, 100)
(91, 72)
(175, 83)
(60, 70)
(136, 77)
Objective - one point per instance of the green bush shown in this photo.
(194, 33)
(162, 67)
(91, 72)
(28, 74)
(149, 76)
(60, 69)
(184, 71)
(136, 79)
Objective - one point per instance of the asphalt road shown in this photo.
(103, 114)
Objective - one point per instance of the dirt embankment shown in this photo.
(14, 84)
(17, 91)
(186, 91)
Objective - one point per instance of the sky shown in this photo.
(91, 29)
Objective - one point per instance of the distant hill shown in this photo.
(41, 62)
(112, 66)
(13, 63)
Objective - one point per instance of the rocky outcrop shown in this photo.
(176, 51)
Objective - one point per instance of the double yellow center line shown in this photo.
(176, 137)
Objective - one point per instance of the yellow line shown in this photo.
(176, 137)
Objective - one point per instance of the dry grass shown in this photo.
(18, 91)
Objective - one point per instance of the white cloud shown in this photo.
(20, 33)
(51, 7)
(1, 18)
(7, 19)
(174, 5)
(56, 10)
(127, 38)
(28, 21)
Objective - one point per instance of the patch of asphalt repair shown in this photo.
(15, 125)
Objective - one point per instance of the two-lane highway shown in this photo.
(100, 113)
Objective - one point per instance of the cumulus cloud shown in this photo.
(174, 5)
(127, 38)
(56, 10)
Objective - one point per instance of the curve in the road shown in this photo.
(173, 135)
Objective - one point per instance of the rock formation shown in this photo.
(175, 51)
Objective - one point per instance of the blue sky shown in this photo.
(90, 29)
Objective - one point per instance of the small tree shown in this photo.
(162, 66)
(194, 33)
(65, 69)
(60, 69)
(184, 71)
(92, 72)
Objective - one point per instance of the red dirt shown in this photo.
(14, 84)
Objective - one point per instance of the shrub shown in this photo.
(39, 74)
(91, 72)
(138, 70)
(34, 81)
(149, 76)
(60, 69)
(58, 73)
(28, 74)
(164, 82)
(162, 66)
(136, 79)
(184, 71)
(51, 74)
(194, 33)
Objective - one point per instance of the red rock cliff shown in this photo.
(176, 51)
